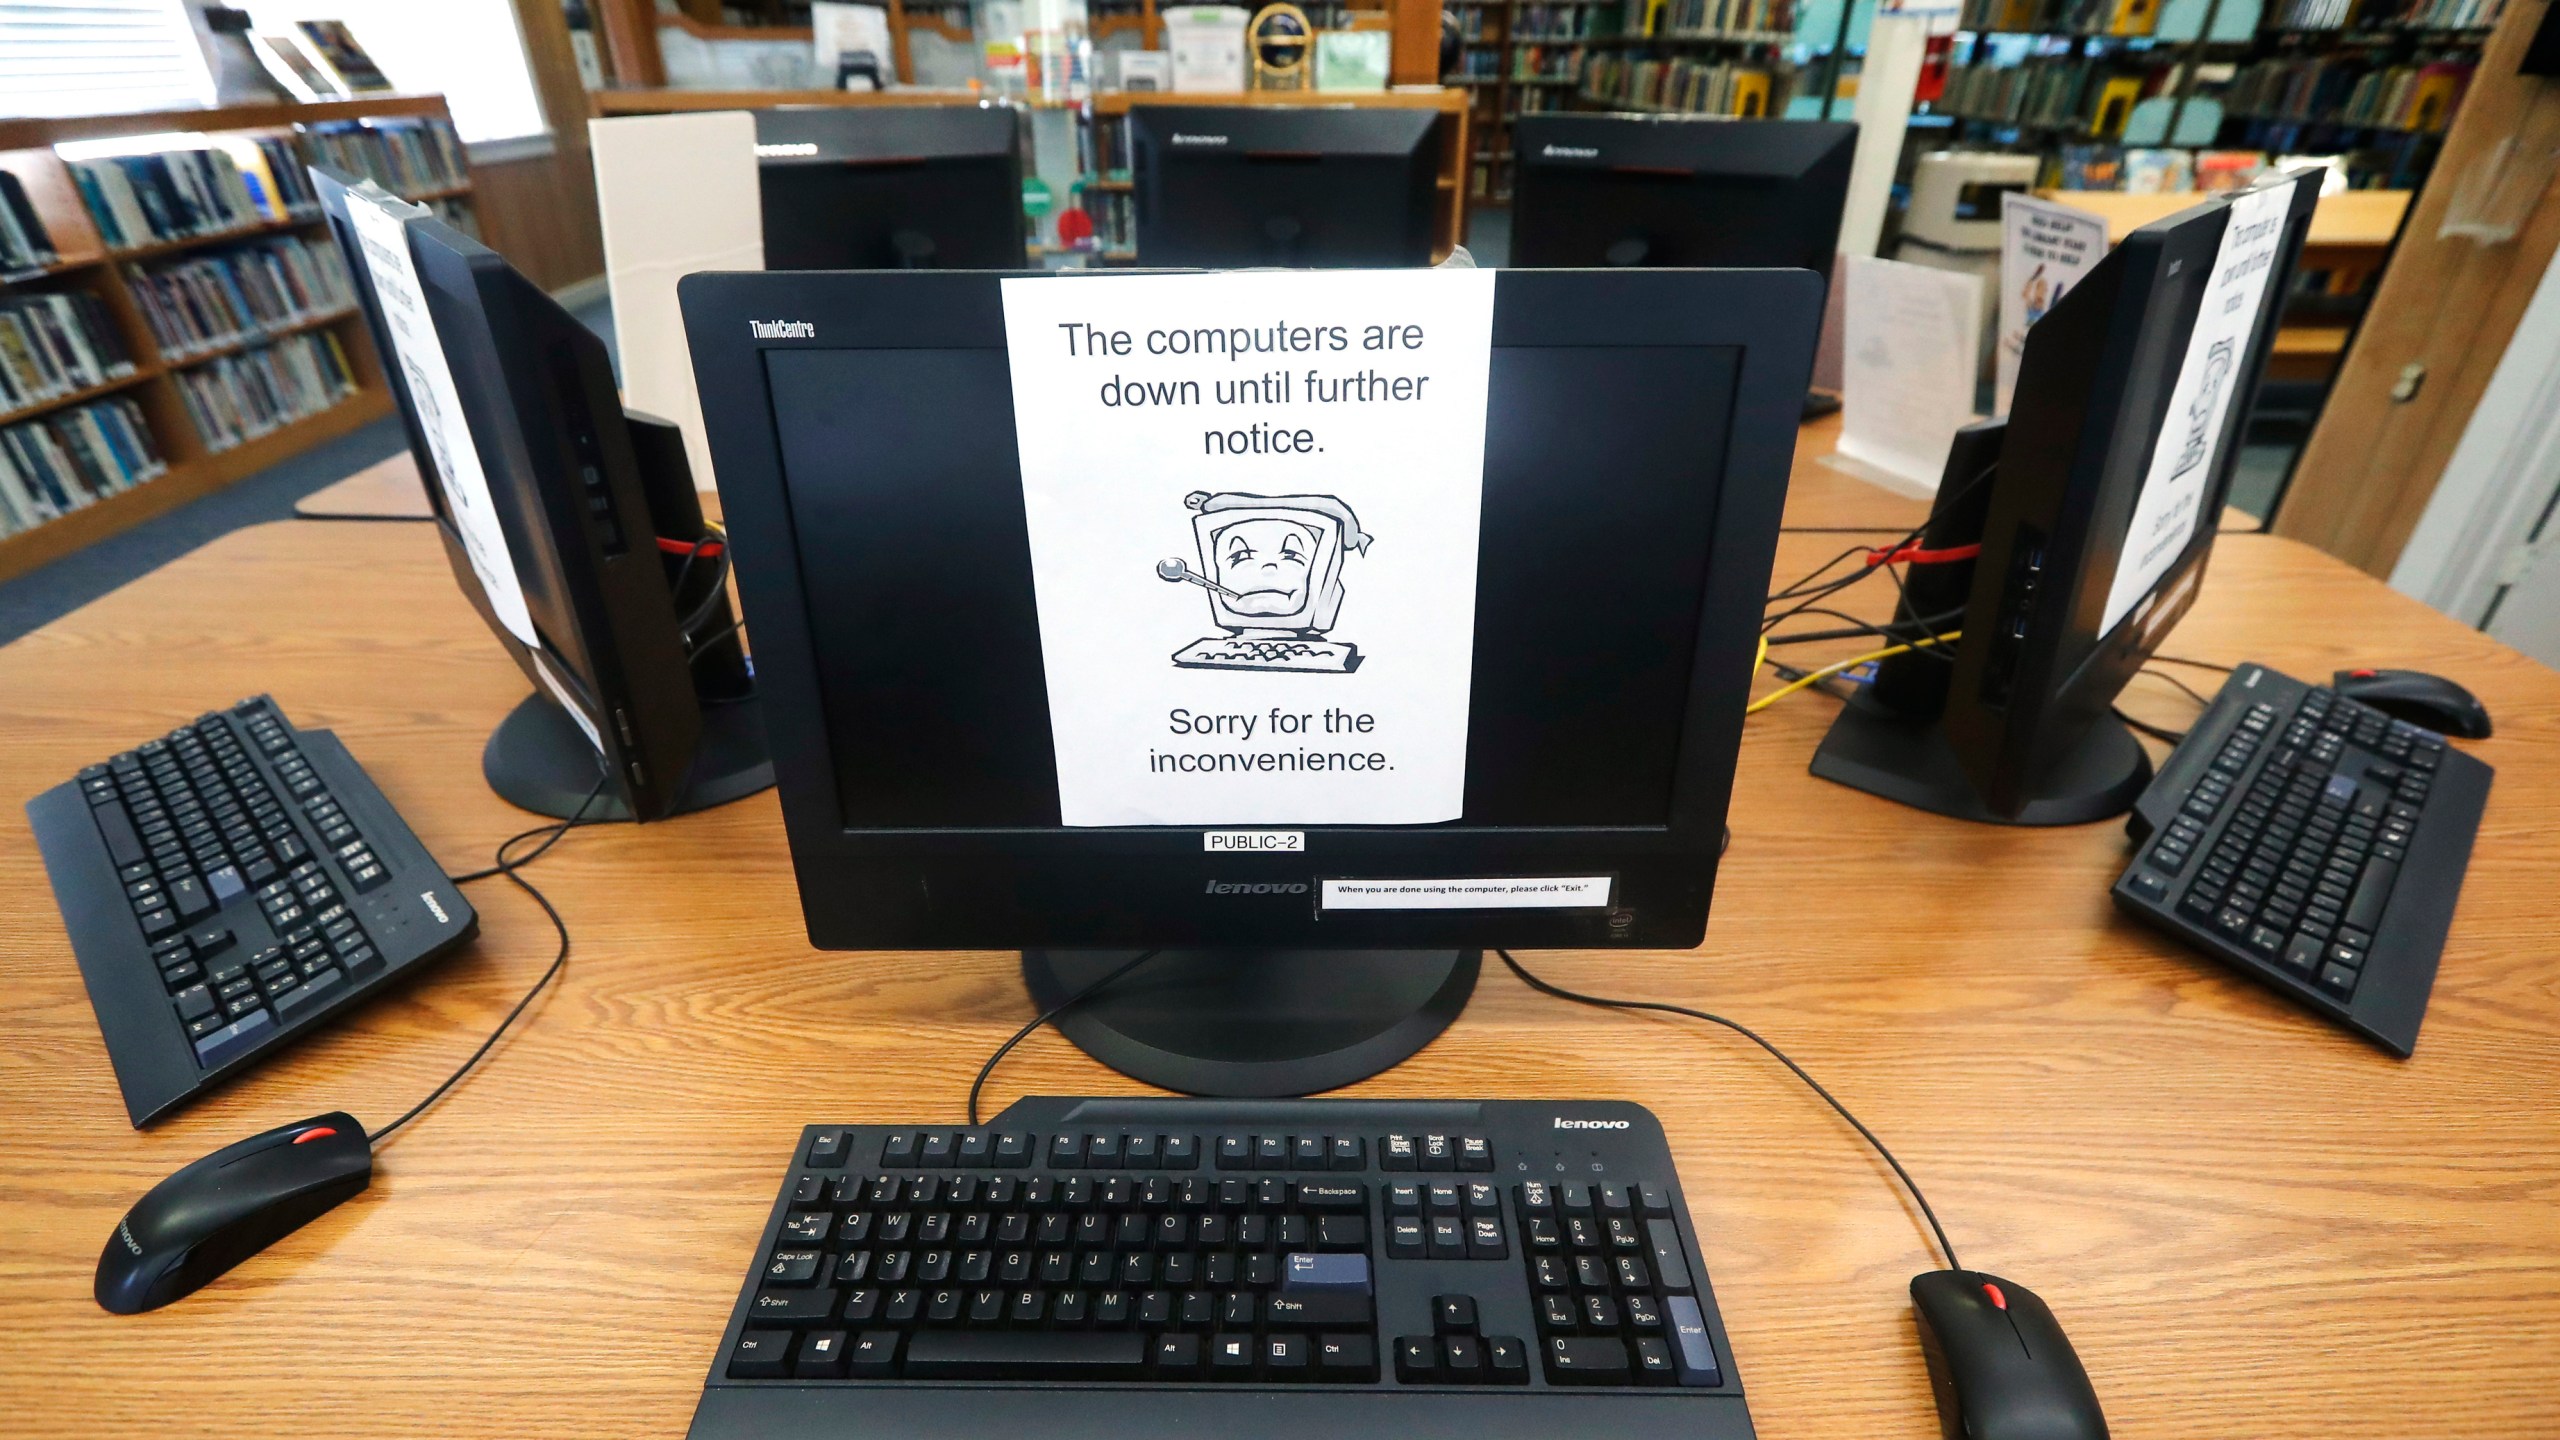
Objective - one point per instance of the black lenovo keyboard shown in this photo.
(2314, 843)
(1231, 1268)
(226, 886)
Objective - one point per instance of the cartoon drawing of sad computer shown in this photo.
(1273, 568)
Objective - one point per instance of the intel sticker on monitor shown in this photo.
(1253, 503)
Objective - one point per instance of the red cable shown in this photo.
(704, 548)
(1913, 554)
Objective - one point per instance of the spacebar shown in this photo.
(1025, 1355)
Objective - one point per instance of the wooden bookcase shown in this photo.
(86, 264)
(1112, 108)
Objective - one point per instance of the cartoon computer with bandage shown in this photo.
(1272, 567)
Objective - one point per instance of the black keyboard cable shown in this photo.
(1546, 987)
(1084, 993)
(507, 866)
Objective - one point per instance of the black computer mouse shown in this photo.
(227, 1207)
(1999, 1363)
(2421, 699)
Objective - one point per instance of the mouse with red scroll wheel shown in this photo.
(1999, 1362)
(228, 1206)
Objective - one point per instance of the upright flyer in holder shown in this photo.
(1254, 502)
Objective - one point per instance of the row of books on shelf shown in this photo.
(1555, 22)
(24, 245)
(2386, 14)
(240, 397)
(1752, 18)
(210, 301)
(2341, 90)
(409, 155)
(2140, 170)
(140, 200)
(1684, 85)
(2092, 94)
(2062, 17)
(1547, 62)
(1535, 101)
(54, 345)
(59, 463)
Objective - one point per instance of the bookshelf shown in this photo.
(1701, 57)
(1108, 165)
(2374, 81)
(309, 366)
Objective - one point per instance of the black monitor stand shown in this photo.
(539, 759)
(1256, 1023)
(1891, 741)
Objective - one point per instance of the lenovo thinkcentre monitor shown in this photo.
(1288, 185)
(592, 515)
(1592, 190)
(1637, 437)
(891, 187)
(2094, 505)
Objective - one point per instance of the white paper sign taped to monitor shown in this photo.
(2171, 508)
(1254, 503)
(418, 367)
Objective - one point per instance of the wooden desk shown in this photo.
(387, 490)
(2252, 1224)
(2349, 220)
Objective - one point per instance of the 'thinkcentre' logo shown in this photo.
(783, 329)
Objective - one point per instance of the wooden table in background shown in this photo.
(2251, 1224)
(2351, 236)
(386, 490)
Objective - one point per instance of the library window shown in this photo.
(98, 57)
(469, 51)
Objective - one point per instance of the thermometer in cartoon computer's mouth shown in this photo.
(1175, 570)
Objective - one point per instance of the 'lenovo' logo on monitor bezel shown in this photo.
(1181, 139)
(1257, 887)
(1569, 152)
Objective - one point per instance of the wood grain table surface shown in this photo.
(386, 490)
(2252, 1225)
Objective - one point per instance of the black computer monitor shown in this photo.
(1636, 445)
(1591, 190)
(891, 187)
(1294, 185)
(2017, 725)
(632, 715)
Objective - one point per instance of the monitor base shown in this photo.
(1818, 403)
(1908, 761)
(539, 760)
(1251, 1022)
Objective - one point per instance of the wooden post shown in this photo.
(631, 38)
(2440, 320)
(1414, 54)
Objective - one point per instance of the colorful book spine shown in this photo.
(216, 301)
(58, 463)
(54, 345)
(239, 397)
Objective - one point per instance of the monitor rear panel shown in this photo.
(1669, 190)
(1638, 435)
(855, 188)
(2039, 664)
(537, 392)
(1292, 186)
